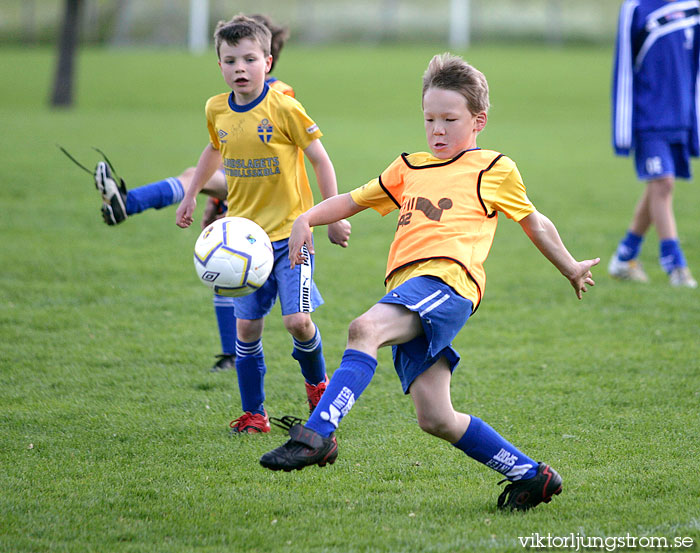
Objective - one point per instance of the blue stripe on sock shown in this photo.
(309, 345)
(177, 189)
(244, 349)
(309, 355)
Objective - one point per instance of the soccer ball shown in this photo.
(233, 256)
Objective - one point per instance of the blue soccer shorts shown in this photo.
(295, 287)
(658, 155)
(443, 313)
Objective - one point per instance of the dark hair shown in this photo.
(241, 27)
(279, 36)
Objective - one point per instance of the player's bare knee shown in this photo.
(361, 330)
(434, 424)
(249, 330)
(662, 186)
(187, 173)
(299, 325)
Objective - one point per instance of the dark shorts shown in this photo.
(443, 313)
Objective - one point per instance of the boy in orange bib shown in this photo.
(448, 202)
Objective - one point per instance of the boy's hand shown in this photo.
(339, 232)
(301, 236)
(583, 276)
(544, 235)
(215, 209)
(183, 215)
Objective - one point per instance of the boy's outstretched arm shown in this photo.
(544, 235)
(328, 212)
(209, 161)
(338, 231)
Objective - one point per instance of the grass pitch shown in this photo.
(113, 434)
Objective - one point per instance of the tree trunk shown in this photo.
(67, 44)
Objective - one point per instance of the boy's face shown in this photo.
(450, 127)
(244, 67)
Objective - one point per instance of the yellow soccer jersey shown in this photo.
(449, 211)
(261, 147)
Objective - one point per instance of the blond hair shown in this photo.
(450, 72)
(241, 27)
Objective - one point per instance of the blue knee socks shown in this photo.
(226, 320)
(629, 246)
(483, 443)
(250, 366)
(480, 441)
(670, 252)
(348, 382)
(310, 357)
(156, 195)
(671, 255)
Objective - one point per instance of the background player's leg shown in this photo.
(250, 367)
(226, 324)
(308, 351)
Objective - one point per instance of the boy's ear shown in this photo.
(268, 64)
(481, 119)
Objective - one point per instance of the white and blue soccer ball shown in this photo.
(233, 256)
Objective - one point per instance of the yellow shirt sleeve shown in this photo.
(502, 189)
(301, 128)
(208, 110)
(373, 195)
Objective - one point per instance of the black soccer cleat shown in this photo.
(113, 194)
(305, 448)
(526, 494)
(227, 361)
(111, 187)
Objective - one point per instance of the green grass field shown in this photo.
(113, 433)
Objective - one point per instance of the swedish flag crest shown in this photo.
(265, 131)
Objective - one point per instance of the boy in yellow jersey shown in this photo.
(262, 136)
(448, 203)
(118, 203)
